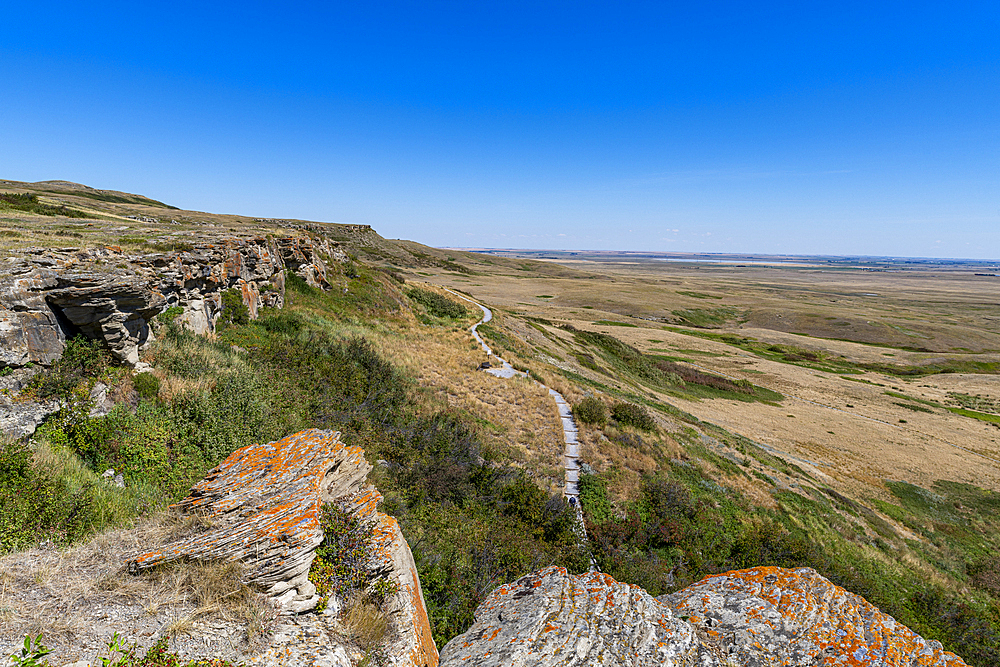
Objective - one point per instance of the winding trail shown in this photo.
(571, 465)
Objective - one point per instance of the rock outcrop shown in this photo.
(48, 295)
(553, 618)
(761, 617)
(264, 504)
(773, 616)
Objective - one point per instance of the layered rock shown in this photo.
(554, 618)
(761, 617)
(264, 503)
(773, 616)
(48, 295)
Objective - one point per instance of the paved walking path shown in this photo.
(505, 370)
(571, 490)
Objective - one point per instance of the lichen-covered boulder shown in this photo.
(761, 617)
(555, 618)
(772, 616)
(264, 505)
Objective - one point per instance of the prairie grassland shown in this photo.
(829, 339)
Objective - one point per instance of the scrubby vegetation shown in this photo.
(683, 525)
(591, 410)
(631, 414)
(664, 373)
(473, 521)
(474, 515)
(436, 304)
(30, 204)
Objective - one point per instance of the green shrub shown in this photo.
(50, 494)
(341, 566)
(146, 385)
(170, 314)
(234, 311)
(594, 498)
(29, 202)
(631, 414)
(81, 359)
(591, 410)
(297, 284)
(436, 304)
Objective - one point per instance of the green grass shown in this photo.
(662, 373)
(706, 318)
(29, 203)
(822, 361)
(981, 416)
(613, 323)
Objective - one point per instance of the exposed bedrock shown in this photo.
(264, 506)
(759, 617)
(49, 295)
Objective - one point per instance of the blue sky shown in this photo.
(830, 128)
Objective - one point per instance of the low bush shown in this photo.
(81, 359)
(341, 565)
(234, 311)
(146, 385)
(29, 202)
(49, 494)
(436, 304)
(631, 414)
(591, 410)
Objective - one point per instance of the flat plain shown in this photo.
(854, 345)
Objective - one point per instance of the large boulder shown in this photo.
(264, 503)
(773, 616)
(554, 618)
(761, 617)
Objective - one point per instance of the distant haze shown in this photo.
(796, 128)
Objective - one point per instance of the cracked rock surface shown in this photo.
(760, 617)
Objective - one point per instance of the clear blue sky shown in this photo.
(800, 127)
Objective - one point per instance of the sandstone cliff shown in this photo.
(760, 617)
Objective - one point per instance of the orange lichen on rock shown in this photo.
(264, 504)
(762, 617)
(774, 616)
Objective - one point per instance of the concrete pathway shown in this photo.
(571, 464)
(505, 370)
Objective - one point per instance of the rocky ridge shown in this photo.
(761, 617)
(105, 293)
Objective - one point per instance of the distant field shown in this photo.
(830, 335)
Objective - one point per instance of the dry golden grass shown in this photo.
(42, 590)
(365, 623)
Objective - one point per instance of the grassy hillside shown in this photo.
(709, 443)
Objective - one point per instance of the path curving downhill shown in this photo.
(571, 464)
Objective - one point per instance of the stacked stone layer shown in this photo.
(264, 504)
(761, 617)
